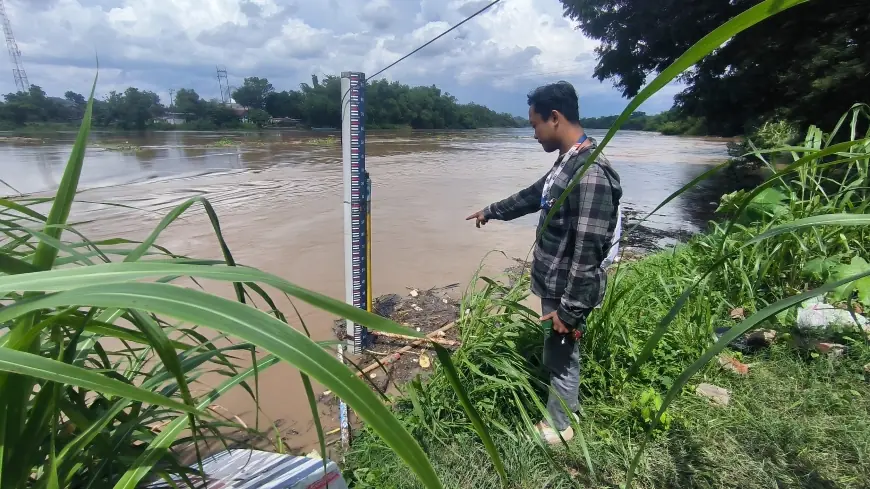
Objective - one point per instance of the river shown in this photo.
(278, 195)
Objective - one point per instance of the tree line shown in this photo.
(670, 122)
(388, 105)
(806, 65)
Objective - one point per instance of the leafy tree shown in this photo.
(253, 92)
(285, 104)
(187, 102)
(259, 117)
(220, 115)
(133, 109)
(76, 98)
(808, 63)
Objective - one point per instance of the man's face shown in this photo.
(545, 130)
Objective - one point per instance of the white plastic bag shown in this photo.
(817, 315)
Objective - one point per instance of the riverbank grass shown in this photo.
(791, 424)
(798, 419)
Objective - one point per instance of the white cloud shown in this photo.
(163, 44)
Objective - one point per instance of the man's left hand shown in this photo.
(558, 325)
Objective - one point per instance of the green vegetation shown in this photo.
(797, 420)
(225, 142)
(125, 147)
(77, 410)
(668, 123)
(804, 65)
(389, 105)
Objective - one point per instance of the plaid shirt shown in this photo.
(569, 252)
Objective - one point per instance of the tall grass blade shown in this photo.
(723, 342)
(38, 367)
(108, 273)
(172, 217)
(67, 188)
(479, 426)
(157, 448)
(13, 266)
(16, 390)
(841, 219)
(256, 327)
(801, 162)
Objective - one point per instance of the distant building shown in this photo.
(284, 121)
(238, 109)
(173, 118)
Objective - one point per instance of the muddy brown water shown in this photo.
(278, 195)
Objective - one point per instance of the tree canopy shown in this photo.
(807, 64)
(253, 92)
(317, 104)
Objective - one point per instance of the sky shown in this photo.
(158, 45)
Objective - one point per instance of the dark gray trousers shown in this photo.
(562, 359)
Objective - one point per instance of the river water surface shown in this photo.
(278, 195)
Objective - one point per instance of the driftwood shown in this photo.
(395, 355)
(440, 341)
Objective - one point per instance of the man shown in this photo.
(567, 272)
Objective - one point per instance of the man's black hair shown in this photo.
(559, 96)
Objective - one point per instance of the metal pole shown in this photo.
(356, 220)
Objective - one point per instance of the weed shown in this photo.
(225, 142)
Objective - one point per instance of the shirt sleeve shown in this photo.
(517, 205)
(593, 208)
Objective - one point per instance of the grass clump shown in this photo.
(324, 141)
(795, 421)
(125, 147)
(225, 142)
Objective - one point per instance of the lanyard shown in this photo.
(546, 202)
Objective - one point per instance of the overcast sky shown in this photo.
(161, 44)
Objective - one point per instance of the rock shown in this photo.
(424, 361)
(716, 395)
(731, 364)
(834, 349)
(761, 337)
(738, 313)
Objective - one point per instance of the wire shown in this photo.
(439, 36)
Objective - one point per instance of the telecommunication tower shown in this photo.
(224, 84)
(18, 72)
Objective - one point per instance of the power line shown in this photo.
(439, 36)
